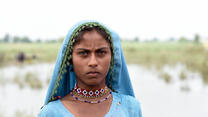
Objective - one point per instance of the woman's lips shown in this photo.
(93, 74)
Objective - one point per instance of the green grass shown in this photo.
(158, 54)
(148, 54)
(44, 52)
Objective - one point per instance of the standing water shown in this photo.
(161, 99)
(23, 89)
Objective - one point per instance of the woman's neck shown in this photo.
(90, 87)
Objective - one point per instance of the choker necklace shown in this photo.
(77, 91)
(91, 102)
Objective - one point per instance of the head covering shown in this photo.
(64, 79)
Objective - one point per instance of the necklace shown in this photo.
(91, 102)
(77, 91)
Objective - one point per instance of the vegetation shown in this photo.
(43, 52)
(191, 53)
(22, 114)
(166, 77)
(183, 75)
(30, 79)
(158, 54)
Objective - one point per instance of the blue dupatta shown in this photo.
(64, 79)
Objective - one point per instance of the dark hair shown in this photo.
(98, 29)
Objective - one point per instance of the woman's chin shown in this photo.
(94, 82)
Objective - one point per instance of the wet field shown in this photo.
(23, 89)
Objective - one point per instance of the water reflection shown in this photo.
(169, 92)
(159, 99)
(23, 89)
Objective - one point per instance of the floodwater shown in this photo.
(26, 101)
(158, 98)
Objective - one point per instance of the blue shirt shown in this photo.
(122, 106)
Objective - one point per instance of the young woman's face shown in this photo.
(91, 58)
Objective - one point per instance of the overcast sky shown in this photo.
(130, 18)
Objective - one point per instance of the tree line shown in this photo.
(16, 39)
(195, 39)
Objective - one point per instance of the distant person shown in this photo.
(90, 78)
(21, 57)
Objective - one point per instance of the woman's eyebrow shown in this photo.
(82, 49)
(86, 49)
(103, 48)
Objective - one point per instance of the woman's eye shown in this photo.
(83, 53)
(102, 52)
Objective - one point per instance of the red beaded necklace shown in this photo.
(91, 102)
(84, 93)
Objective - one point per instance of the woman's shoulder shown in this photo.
(52, 109)
(127, 104)
(130, 100)
(48, 109)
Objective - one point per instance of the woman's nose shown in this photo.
(92, 61)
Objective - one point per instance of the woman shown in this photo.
(90, 77)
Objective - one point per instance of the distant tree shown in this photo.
(26, 40)
(6, 38)
(196, 38)
(154, 40)
(1, 40)
(16, 39)
(183, 39)
(51, 41)
(171, 39)
(38, 41)
(136, 39)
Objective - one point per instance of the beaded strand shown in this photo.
(90, 94)
(91, 102)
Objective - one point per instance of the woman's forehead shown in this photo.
(88, 45)
(92, 38)
(92, 34)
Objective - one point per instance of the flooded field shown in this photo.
(23, 89)
(186, 98)
(171, 92)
